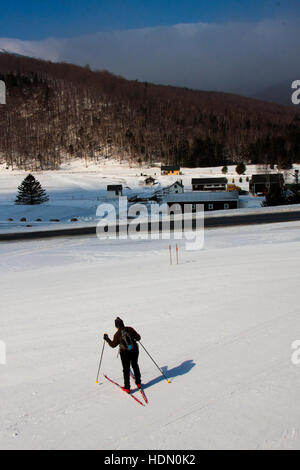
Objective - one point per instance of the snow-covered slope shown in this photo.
(220, 324)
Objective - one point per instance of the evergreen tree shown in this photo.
(30, 192)
(241, 168)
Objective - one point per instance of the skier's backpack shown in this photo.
(126, 340)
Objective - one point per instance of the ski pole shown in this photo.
(97, 380)
(169, 381)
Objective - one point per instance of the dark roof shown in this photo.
(209, 181)
(114, 187)
(267, 178)
(179, 183)
(193, 197)
(170, 168)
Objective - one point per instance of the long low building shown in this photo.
(222, 200)
(209, 184)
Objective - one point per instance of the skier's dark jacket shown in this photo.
(116, 341)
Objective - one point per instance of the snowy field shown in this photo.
(220, 324)
(76, 191)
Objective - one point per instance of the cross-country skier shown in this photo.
(126, 338)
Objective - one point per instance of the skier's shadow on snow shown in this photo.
(182, 369)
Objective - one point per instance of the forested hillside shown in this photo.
(58, 111)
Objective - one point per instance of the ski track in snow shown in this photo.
(220, 324)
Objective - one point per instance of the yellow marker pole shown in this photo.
(97, 379)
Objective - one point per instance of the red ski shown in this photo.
(118, 385)
(140, 389)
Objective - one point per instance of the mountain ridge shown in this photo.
(56, 111)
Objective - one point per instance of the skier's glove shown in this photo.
(105, 337)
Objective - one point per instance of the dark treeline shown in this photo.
(58, 111)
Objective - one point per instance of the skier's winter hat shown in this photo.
(119, 323)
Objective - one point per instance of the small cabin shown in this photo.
(170, 170)
(265, 183)
(209, 184)
(114, 191)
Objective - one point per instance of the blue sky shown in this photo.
(40, 19)
(238, 46)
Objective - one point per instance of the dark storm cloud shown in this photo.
(233, 57)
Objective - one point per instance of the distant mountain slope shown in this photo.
(56, 111)
(279, 93)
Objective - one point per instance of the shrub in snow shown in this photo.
(23, 219)
(31, 192)
(74, 219)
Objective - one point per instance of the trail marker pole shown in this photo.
(97, 379)
(170, 250)
(169, 381)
